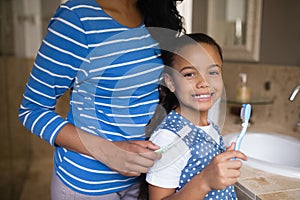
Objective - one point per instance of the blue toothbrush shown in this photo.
(245, 116)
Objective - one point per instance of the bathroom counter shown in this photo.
(257, 184)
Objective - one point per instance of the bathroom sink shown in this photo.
(270, 152)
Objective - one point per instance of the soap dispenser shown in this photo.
(243, 94)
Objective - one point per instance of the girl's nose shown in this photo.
(201, 82)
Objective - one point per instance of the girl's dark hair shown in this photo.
(167, 99)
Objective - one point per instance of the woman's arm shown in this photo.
(54, 71)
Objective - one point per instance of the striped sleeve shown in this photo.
(62, 52)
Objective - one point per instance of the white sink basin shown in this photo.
(270, 152)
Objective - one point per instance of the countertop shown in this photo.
(257, 184)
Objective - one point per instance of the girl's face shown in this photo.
(196, 78)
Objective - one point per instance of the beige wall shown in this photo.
(283, 80)
(15, 142)
(18, 147)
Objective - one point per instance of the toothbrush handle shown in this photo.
(240, 137)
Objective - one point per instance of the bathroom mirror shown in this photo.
(235, 24)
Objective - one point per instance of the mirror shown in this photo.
(234, 24)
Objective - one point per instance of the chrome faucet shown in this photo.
(294, 93)
(292, 97)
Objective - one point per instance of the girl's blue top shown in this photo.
(202, 147)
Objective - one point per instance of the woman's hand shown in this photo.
(130, 158)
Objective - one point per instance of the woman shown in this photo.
(102, 52)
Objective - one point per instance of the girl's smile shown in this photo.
(202, 97)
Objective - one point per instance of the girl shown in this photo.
(192, 84)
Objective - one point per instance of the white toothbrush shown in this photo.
(182, 133)
(245, 116)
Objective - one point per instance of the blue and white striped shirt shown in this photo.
(112, 72)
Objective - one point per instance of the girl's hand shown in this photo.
(223, 170)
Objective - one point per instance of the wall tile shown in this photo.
(283, 80)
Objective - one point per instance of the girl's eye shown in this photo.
(214, 72)
(189, 74)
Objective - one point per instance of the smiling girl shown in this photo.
(201, 168)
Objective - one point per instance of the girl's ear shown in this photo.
(169, 82)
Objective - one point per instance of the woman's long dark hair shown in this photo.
(162, 14)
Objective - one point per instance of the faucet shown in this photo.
(294, 93)
(292, 97)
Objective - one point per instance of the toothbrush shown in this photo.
(245, 116)
(182, 133)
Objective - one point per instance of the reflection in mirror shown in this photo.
(235, 24)
(230, 17)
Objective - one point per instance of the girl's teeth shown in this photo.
(202, 96)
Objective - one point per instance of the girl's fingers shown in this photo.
(240, 155)
(231, 181)
(233, 173)
(231, 147)
(228, 155)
